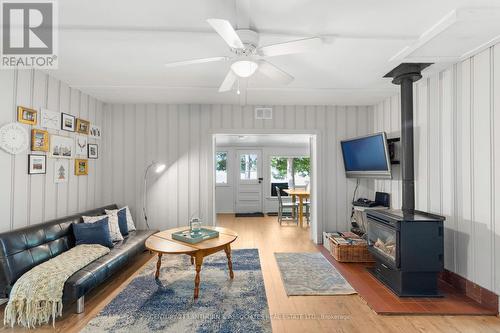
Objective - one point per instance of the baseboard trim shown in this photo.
(483, 296)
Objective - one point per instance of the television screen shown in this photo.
(366, 156)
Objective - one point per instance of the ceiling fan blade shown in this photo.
(274, 72)
(228, 82)
(227, 32)
(295, 46)
(195, 61)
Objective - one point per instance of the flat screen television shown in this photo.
(367, 157)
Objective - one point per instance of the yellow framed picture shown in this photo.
(39, 140)
(26, 115)
(81, 167)
(82, 126)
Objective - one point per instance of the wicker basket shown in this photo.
(350, 253)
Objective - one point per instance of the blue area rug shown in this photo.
(167, 304)
(311, 274)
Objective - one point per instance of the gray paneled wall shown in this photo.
(30, 199)
(179, 135)
(457, 154)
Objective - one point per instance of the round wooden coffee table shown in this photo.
(163, 243)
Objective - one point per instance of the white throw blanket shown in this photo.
(37, 295)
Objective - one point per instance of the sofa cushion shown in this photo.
(103, 268)
(93, 233)
(113, 227)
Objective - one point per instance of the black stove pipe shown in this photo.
(404, 75)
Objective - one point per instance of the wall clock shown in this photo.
(14, 138)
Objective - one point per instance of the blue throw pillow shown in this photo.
(93, 233)
(122, 221)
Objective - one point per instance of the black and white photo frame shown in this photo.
(93, 151)
(68, 122)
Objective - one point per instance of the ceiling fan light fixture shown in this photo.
(244, 68)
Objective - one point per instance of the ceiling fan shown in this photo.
(248, 56)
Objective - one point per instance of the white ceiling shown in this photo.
(115, 50)
(263, 140)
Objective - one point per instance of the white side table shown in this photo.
(360, 215)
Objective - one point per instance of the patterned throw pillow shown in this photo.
(122, 219)
(130, 222)
(114, 228)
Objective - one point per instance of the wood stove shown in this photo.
(408, 250)
(407, 244)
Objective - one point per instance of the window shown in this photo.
(221, 167)
(289, 171)
(248, 167)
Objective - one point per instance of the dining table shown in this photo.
(302, 194)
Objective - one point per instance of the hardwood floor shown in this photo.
(342, 314)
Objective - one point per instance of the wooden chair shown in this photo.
(285, 205)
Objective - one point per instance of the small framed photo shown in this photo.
(68, 122)
(61, 171)
(82, 126)
(95, 131)
(81, 167)
(93, 152)
(62, 147)
(26, 115)
(39, 140)
(37, 164)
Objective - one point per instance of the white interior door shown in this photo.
(248, 181)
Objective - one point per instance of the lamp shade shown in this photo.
(244, 68)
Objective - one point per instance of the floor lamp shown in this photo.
(159, 167)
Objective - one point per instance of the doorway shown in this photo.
(247, 167)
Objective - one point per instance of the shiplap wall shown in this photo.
(30, 199)
(457, 160)
(180, 136)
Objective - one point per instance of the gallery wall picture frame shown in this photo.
(82, 126)
(26, 115)
(39, 140)
(81, 142)
(95, 131)
(61, 171)
(37, 164)
(93, 151)
(50, 119)
(68, 122)
(81, 167)
(62, 147)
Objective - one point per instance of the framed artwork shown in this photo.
(62, 147)
(37, 164)
(61, 171)
(50, 119)
(82, 126)
(93, 152)
(68, 122)
(39, 140)
(81, 142)
(26, 115)
(81, 167)
(95, 131)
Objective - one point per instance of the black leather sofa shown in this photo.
(23, 249)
